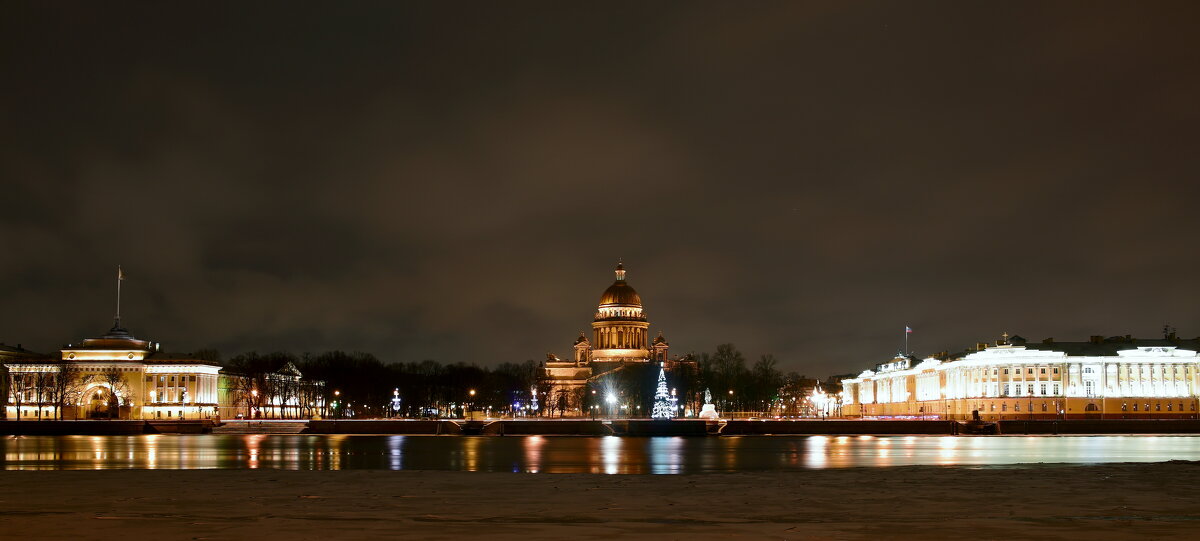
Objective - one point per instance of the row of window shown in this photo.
(171, 379)
(1014, 389)
(1157, 406)
(1028, 371)
(1124, 406)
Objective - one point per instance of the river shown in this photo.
(575, 454)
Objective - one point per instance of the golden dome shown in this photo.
(620, 293)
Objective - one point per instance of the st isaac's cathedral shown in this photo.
(620, 337)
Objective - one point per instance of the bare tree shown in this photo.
(43, 389)
(119, 393)
(244, 393)
(70, 383)
(19, 385)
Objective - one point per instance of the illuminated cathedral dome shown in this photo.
(619, 329)
(620, 293)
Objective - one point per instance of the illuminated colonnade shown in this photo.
(1013, 381)
(114, 376)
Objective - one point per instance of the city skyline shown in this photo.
(804, 180)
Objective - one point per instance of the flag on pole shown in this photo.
(120, 273)
(907, 330)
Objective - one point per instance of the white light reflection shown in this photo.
(947, 450)
(610, 454)
(815, 451)
(395, 455)
(665, 454)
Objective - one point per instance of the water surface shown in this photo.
(575, 454)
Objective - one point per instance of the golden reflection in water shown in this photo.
(335, 451)
(97, 449)
(253, 447)
(731, 452)
(533, 453)
(471, 452)
(152, 442)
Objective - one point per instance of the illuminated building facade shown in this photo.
(1113, 378)
(114, 376)
(620, 336)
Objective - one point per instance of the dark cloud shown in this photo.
(455, 182)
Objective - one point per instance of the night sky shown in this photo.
(455, 181)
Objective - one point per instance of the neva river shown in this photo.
(574, 454)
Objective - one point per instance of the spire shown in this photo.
(620, 271)
(120, 278)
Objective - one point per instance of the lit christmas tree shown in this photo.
(663, 405)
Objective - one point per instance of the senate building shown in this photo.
(1118, 377)
(620, 337)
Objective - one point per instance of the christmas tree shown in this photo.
(663, 405)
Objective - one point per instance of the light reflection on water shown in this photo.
(572, 454)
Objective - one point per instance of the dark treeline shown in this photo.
(340, 384)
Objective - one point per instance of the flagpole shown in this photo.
(118, 295)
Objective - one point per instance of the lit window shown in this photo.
(1016, 406)
(1003, 407)
(1124, 407)
(1135, 406)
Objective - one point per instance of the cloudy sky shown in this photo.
(455, 181)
